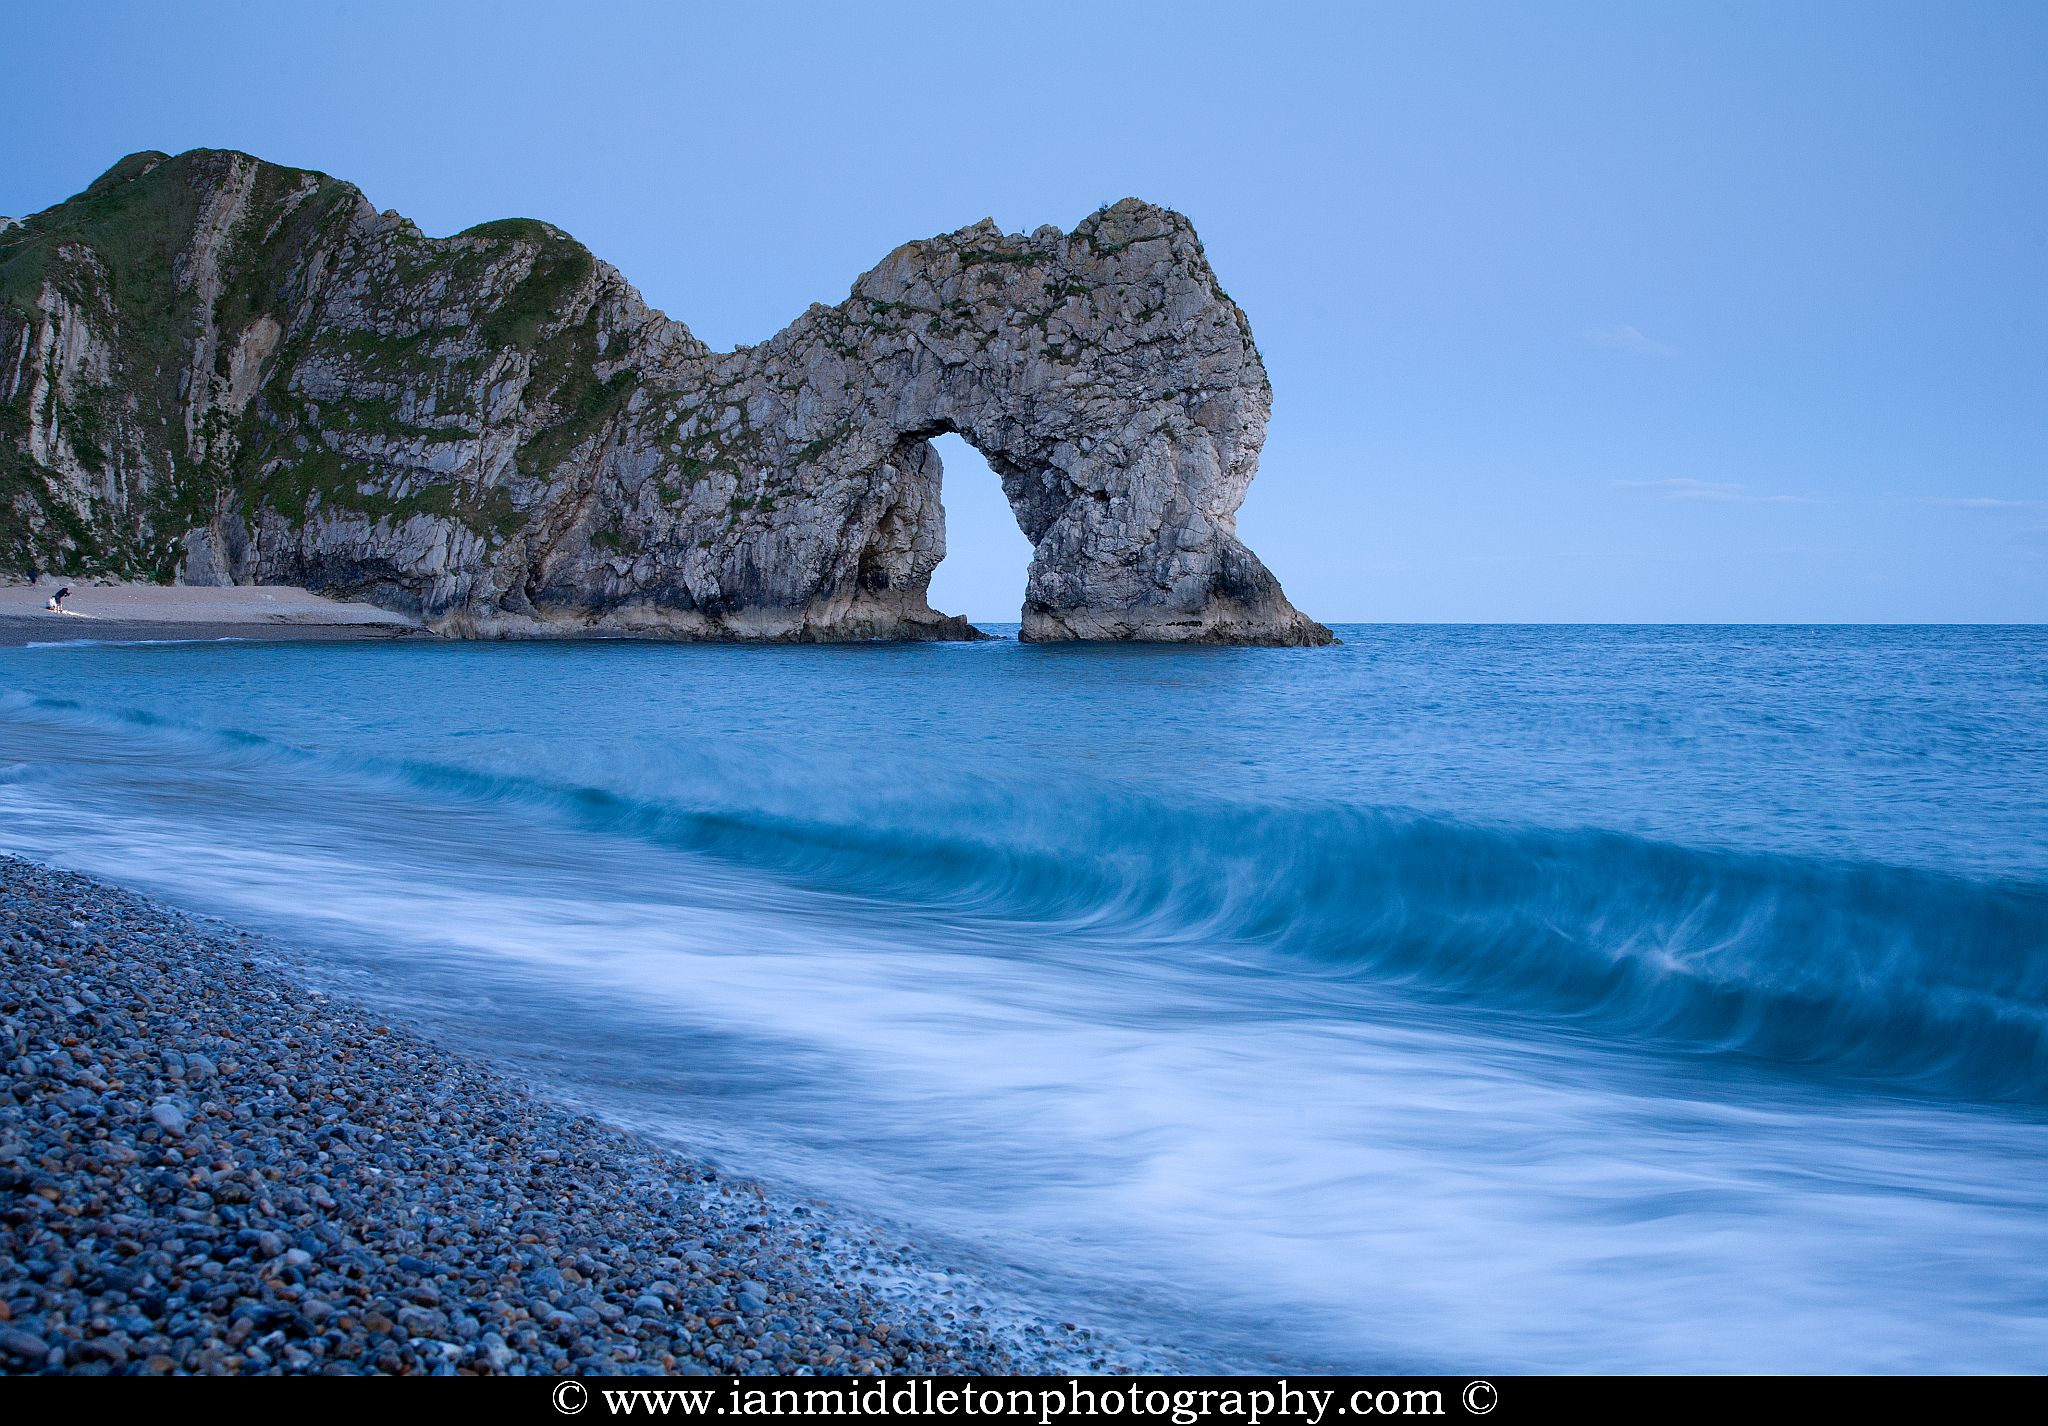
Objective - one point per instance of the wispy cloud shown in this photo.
(1630, 339)
(1976, 502)
(1712, 492)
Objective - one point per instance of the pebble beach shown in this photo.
(209, 1166)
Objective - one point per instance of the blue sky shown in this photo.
(1637, 311)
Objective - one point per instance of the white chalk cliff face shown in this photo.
(218, 370)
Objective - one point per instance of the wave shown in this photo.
(1903, 978)
(130, 643)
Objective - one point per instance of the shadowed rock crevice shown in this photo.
(219, 370)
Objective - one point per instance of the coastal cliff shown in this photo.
(215, 370)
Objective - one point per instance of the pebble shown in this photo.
(24, 1345)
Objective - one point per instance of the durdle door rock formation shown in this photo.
(216, 370)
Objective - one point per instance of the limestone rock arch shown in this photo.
(494, 431)
(1107, 380)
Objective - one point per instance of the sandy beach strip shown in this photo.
(207, 1166)
(111, 613)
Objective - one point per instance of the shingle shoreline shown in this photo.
(208, 1167)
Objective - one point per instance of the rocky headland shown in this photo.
(216, 370)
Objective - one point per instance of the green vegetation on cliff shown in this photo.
(103, 305)
(210, 334)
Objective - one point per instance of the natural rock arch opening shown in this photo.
(1106, 379)
(988, 556)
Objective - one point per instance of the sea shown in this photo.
(1458, 998)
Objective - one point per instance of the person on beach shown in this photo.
(56, 604)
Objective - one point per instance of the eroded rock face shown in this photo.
(219, 370)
